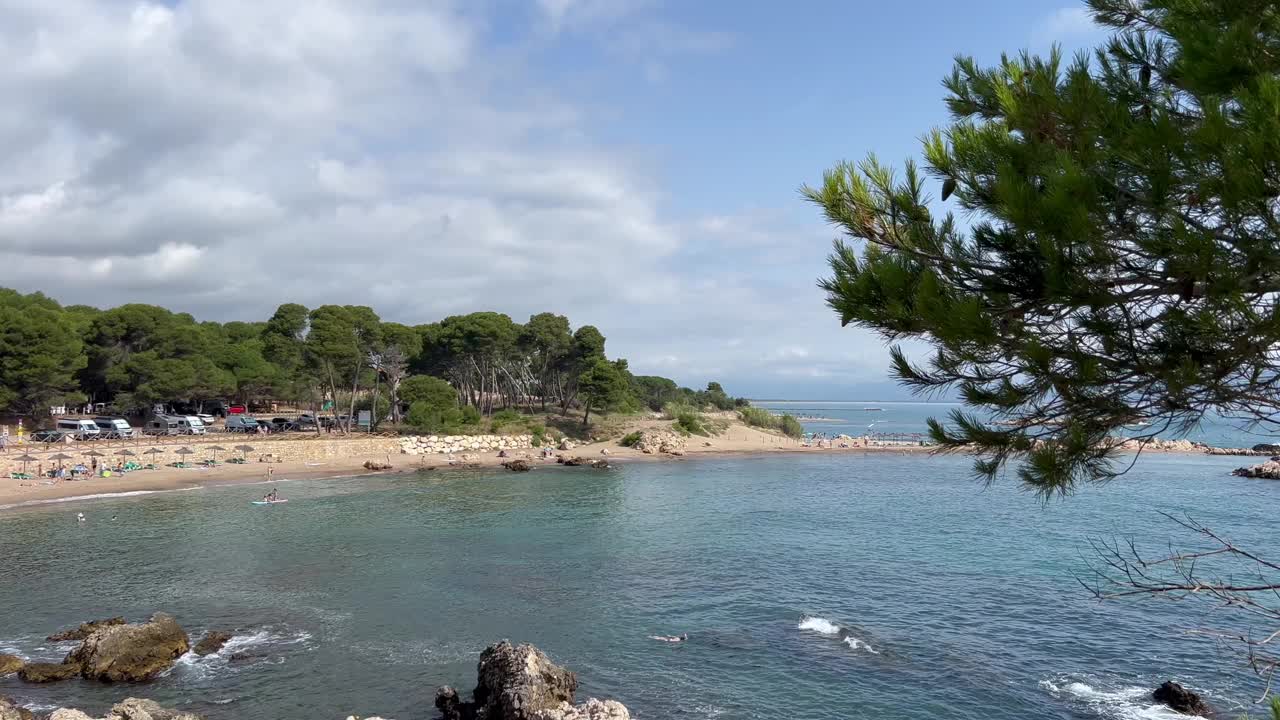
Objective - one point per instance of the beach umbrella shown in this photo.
(245, 450)
(60, 457)
(93, 453)
(127, 453)
(215, 449)
(184, 452)
(153, 452)
(24, 459)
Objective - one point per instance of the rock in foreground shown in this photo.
(84, 630)
(1269, 470)
(10, 711)
(517, 465)
(592, 709)
(212, 642)
(129, 709)
(131, 653)
(10, 664)
(47, 672)
(519, 682)
(1180, 699)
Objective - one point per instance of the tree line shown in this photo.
(135, 356)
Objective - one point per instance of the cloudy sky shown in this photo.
(632, 164)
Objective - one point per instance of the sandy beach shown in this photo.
(738, 439)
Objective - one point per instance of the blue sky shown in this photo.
(633, 164)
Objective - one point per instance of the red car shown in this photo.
(237, 410)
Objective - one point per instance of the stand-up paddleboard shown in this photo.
(267, 502)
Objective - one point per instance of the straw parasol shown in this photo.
(216, 449)
(24, 459)
(184, 452)
(93, 453)
(153, 452)
(245, 450)
(126, 453)
(60, 457)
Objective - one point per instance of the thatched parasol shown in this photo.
(60, 457)
(126, 453)
(215, 449)
(93, 453)
(24, 459)
(245, 450)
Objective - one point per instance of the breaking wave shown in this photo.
(1115, 703)
(823, 626)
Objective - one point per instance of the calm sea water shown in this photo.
(859, 418)
(364, 595)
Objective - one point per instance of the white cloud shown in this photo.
(322, 151)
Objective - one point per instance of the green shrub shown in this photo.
(759, 417)
(790, 426)
(539, 433)
(673, 410)
(690, 423)
(630, 439)
(470, 415)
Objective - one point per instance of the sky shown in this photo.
(632, 164)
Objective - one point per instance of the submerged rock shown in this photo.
(48, 672)
(9, 710)
(10, 664)
(131, 653)
(517, 465)
(212, 642)
(84, 630)
(1180, 699)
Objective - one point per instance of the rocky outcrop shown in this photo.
(517, 465)
(212, 642)
(592, 709)
(1180, 699)
(9, 710)
(1269, 470)
(444, 444)
(1267, 448)
(1247, 452)
(519, 682)
(660, 441)
(567, 444)
(10, 664)
(48, 672)
(131, 653)
(84, 630)
(129, 709)
(514, 682)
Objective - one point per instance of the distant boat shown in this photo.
(872, 409)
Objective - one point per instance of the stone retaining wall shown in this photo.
(441, 444)
(292, 449)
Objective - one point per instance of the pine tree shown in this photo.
(1117, 258)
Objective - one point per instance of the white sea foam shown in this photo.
(824, 626)
(1120, 703)
(819, 625)
(96, 496)
(263, 646)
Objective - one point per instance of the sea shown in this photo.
(811, 586)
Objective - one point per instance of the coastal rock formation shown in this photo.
(567, 444)
(211, 643)
(1180, 699)
(445, 444)
(9, 710)
(84, 630)
(48, 672)
(10, 664)
(592, 709)
(515, 682)
(660, 441)
(128, 709)
(131, 653)
(1248, 452)
(1267, 448)
(517, 465)
(1269, 470)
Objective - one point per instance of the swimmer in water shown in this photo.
(79, 517)
(670, 638)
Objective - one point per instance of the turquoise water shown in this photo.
(363, 595)
(859, 418)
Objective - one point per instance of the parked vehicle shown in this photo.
(163, 425)
(237, 410)
(80, 429)
(216, 408)
(114, 427)
(191, 425)
(283, 424)
(46, 436)
(205, 418)
(241, 423)
(266, 426)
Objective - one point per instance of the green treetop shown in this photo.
(1118, 258)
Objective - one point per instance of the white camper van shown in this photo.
(79, 429)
